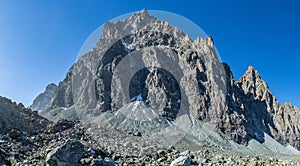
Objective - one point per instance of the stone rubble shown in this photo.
(76, 146)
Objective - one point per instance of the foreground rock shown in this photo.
(69, 153)
(14, 134)
(79, 146)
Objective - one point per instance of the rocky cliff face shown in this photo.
(198, 85)
(63, 95)
(287, 122)
(44, 100)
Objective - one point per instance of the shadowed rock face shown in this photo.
(243, 109)
(141, 86)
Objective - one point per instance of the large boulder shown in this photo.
(60, 126)
(68, 154)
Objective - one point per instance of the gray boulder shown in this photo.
(183, 160)
(65, 155)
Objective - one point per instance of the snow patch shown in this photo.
(137, 98)
(128, 47)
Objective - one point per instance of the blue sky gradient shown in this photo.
(40, 40)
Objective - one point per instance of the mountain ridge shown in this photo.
(246, 112)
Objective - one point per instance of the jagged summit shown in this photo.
(142, 22)
(251, 68)
(133, 24)
(141, 14)
(250, 73)
(252, 82)
(144, 12)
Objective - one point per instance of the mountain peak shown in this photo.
(251, 74)
(251, 68)
(252, 82)
(131, 25)
(51, 86)
(143, 12)
(140, 15)
(252, 71)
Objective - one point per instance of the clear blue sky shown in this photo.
(39, 40)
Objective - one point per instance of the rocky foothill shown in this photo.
(68, 143)
(73, 143)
